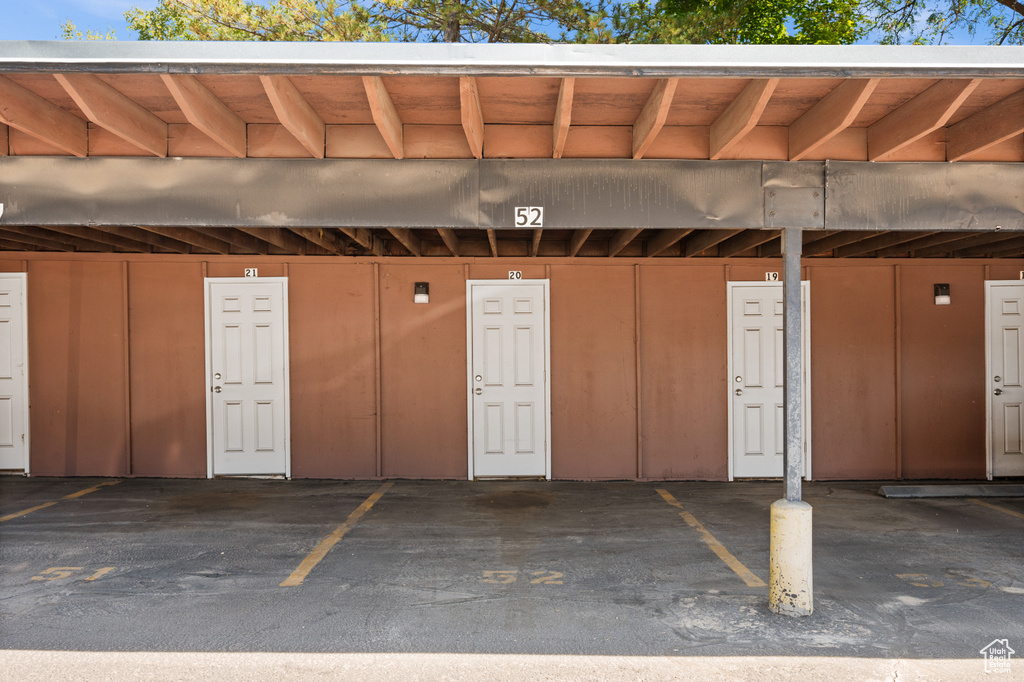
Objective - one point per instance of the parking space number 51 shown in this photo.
(529, 216)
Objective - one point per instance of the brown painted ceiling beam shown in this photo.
(492, 240)
(920, 243)
(295, 114)
(450, 239)
(389, 123)
(116, 113)
(365, 238)
(408, 239)
(322, 237)
(652, 118)
(472, 116)
(833, 114)
(703, 240)
(576, 243)
(664, 239)
(535, 243)
(740, 117)
(563, 116)
(190, 236)
(207, 113)
(922, 115)
(102, 237)
(139, 235)
(835, 241)
(1000, 248)
(745, 241)
(35, 239)
(4, 137)
(26, 111)
(8, 245)
(244, 241)
(974, 240)
(621, 240)
(990, 126)
(279, 237)
(875, 243)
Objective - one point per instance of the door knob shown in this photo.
(999, 391)
(216, 389)
(479, 391)
(739, 391)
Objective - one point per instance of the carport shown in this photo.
(620, 211)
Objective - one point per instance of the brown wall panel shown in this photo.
(333, 371)
(12, 266)
(593, 372)
(1005, 269)
(853, 372)
(423, 372)
(236, 268)
(491, 271)
(77, 368)
(684, 406)
(753, 271)
(943, 376)
(168, 385)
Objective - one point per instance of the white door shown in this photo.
(757, 408)
(508, 369)
(247, 371)
(1005, 315)
(13, 374)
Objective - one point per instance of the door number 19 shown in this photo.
(529, 216)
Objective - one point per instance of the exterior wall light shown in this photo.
(421, 293)
(941, 294)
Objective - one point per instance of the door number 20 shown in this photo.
(529, 216)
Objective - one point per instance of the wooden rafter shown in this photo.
(492, 240)
(92, 234)
(745, 241)
(279, 237)
(113, 111)
(621, 239)
(990, 126)
(576, 243)
(295, 114)
(971, 241)
(389, 123)
(831, 115)
(10, 245)
(664, 239)
(875, 243)
(4, 144)
(922, 115)
(322, 237)
(450, 239)
(408, 239)
(535, 243)
(190, 236)
(740, 117)
(563, 116)
(139, 235)
(26, 111)
(702, 241)
(365, 238)
(207, 113)
(244, 241)
(834, 241)
(651, 119)
(1007, 244)
(920, 243)
(472, 116)
(19, 235)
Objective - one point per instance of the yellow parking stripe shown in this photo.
(997, 508)
(717, 547)
(72, 496)
(321, 550)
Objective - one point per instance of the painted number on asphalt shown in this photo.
(535, 577)
(61, 572)
(924, 580)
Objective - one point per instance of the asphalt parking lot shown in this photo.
(522, 578)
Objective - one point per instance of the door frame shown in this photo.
(25, 422)
(208, 342)
(989, 286)
(546, 284)
(805, 297)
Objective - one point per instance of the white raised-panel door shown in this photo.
(1006, 378)
(13, 374)
(508, 380)
(757, 437)
(248, 376)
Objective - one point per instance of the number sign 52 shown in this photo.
(529, 216)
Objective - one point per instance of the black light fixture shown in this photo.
(421, 293)
(942, 294)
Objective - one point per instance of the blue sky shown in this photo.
(42, 19)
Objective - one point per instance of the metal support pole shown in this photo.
(793, 457)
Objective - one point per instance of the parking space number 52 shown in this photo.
(529, 216)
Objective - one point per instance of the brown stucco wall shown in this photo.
(638, 364)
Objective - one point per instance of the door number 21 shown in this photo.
(529, 216)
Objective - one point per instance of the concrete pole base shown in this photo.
(790, 586)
